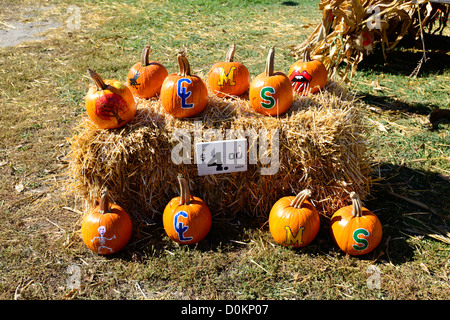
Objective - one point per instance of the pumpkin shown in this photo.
(145, 78)
(308, 76)
(110, 103)
(186, 219)
(107, 228)
(271, 92)
(294, 221)
(229, 77)
(183, 94)
(355, 229)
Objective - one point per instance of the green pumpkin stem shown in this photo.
(270, 62)
(230, 54)
(297, 202)
(104, 206)
(183, 63)
(185, 196)
(101, 85)
(144, 56)
(356, 205)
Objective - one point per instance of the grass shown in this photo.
(42, 88)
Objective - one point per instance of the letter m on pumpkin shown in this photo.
(224, 78)
(292, 239)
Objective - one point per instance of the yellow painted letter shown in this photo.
(224, 78)
(291, 239)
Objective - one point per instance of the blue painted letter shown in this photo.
(184, 94)
(180, 228)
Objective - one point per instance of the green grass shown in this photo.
(42, 88)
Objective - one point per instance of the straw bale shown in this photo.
(321, 147)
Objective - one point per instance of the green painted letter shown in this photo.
(269, 100)
(362, 243)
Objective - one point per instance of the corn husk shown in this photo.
(321, 147)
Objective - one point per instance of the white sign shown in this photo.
(223, 156)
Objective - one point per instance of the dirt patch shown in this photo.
(31, 24)
(18, 32)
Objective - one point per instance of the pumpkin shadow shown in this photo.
(226, 234)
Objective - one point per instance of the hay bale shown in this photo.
(321, 147)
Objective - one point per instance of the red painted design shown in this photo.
(300, 80)
(110, 105)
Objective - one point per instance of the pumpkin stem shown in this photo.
(297, 202)
(356, 205)
(185, 196)
(230, 54)
(183, 63)
(144, 56)
(269, 62)
(101, 85)
(104, 206)
(307, 54)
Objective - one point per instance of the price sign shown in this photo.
(224, 156)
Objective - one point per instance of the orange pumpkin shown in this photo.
(107, 228)
(271, 92)
(355, 229)
(186, 219)
(109, 104)
(183, 94)
(229, 77)
(145, 78)
(294, 221)
(308, 76)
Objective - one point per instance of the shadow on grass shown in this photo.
(403, 59)
(290, 3)
(408, 202)
(392, 104)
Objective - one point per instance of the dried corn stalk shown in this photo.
(352, 28)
